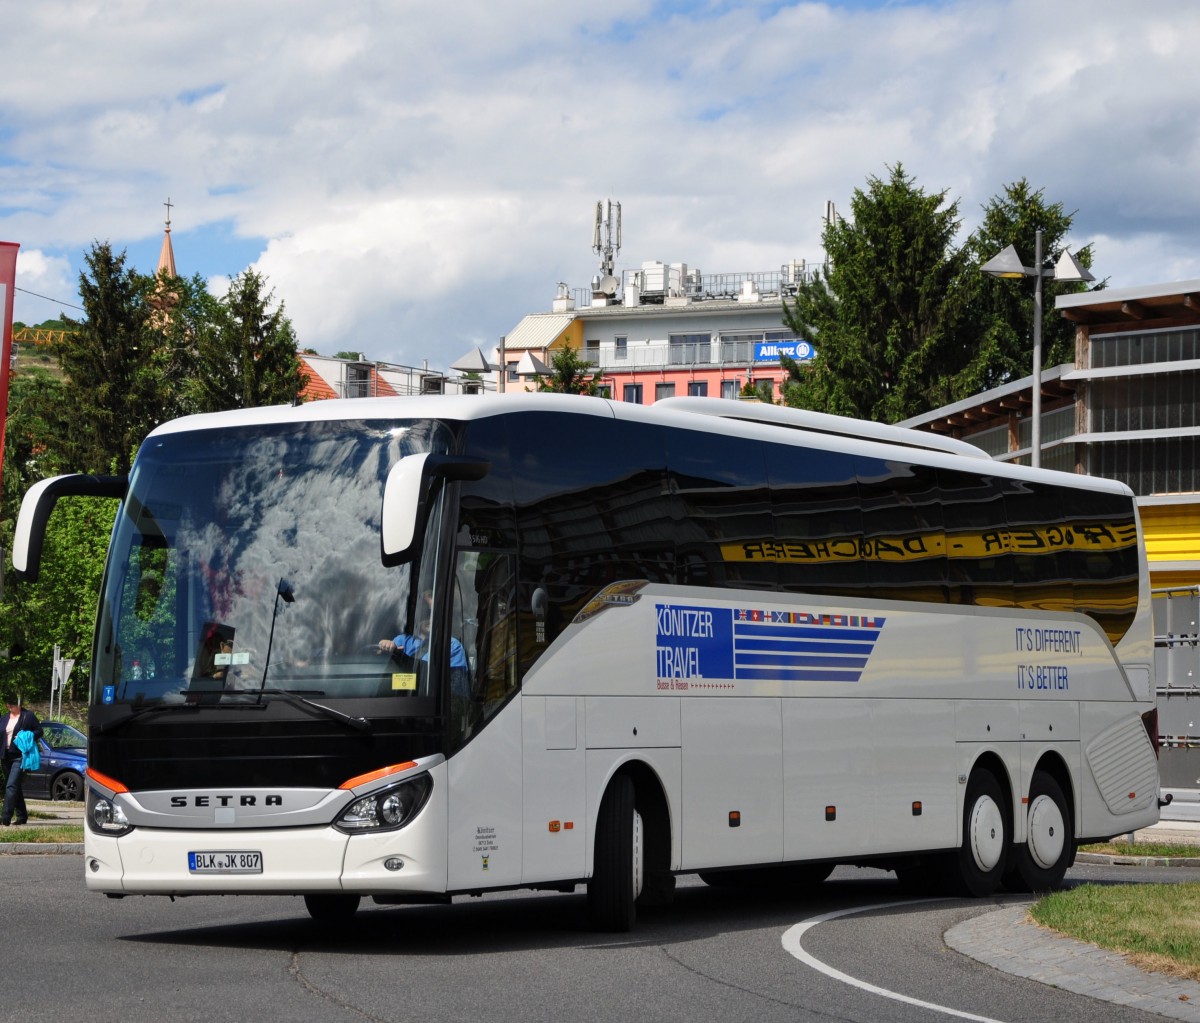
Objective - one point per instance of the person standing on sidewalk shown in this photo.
(18, 721)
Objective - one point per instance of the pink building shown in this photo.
(667, 330)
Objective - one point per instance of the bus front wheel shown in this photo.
(619, 865)
(980, 861)
(1040, 864)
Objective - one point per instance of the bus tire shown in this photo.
(619, 865)
(331, 908)
(978, 866)
(1040, 864)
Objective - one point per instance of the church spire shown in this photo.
(166, 258)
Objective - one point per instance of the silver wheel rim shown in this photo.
(1047, 832)
(638, 860)
(986, 827)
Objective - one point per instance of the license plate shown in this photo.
(225, 862)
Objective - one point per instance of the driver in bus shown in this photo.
(414, 645)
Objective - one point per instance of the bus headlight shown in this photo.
(386, 810)
(104, 817)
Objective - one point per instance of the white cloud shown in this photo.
(419, 181)
(44, 284)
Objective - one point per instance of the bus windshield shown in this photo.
(246, 561)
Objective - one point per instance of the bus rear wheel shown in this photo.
(1040, 864)
(619, 865)
(331, 908)
(978, 866)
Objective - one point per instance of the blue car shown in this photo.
(64, 759)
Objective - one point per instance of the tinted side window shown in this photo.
(1037, 542)
(722, 510)
(1103, 555)
(903, 544)
(589, 495)
(818, 521)
(486, 506)
(980, 569)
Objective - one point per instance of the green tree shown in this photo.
(113, 388)
(40, 436)
(884, 313)
(60, 608)
(998, 344)
(569, 374)
(246, 357)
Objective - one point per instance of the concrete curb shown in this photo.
(1113, 860)
(41, 848)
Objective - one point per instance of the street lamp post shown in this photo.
(1008, 264)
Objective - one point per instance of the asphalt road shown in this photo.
(713, 956)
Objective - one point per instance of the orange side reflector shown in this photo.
(917, 808)
(103, 779)
(383, 772)
(831, 813)
(568, 825)
(555, 825)
(735, 818)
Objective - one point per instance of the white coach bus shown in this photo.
(416, 648)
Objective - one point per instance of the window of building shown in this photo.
(1167, 465)
(739, 346)
(698, 389)
(1144, 347)
(689, 349)
(663, 391)
(358, 380)
(591, 350)
(729, 388)
(621, 347)
(1168, 401)
(512, 371)
(632, 393)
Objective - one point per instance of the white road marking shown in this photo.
(791, 943)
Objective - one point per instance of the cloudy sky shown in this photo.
(413, 177)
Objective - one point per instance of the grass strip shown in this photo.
(1159, 850)
(43, 833)
(1157, 926)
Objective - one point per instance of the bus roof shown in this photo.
(705, 414)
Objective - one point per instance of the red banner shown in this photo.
(8, 285)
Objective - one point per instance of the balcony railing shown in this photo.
(658, 354)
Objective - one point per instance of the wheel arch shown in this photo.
(994, 764)
(1055, 765)
(1052, 763)
(650, 800)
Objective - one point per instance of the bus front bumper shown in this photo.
(267, 861)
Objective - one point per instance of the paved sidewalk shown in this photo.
(1010, 941)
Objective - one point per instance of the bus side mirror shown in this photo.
(39, 502)
(406, 500)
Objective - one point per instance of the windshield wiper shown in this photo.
(360, 723)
